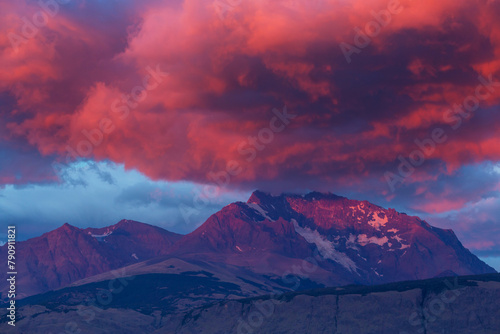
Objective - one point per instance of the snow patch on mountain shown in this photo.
(325, 247)
(377, 221)
(260, 210)
(363, 240)
(400, 240)
(351, 242)
(101, 237)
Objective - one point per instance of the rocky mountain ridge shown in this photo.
(273, 241)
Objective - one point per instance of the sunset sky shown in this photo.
(129, 109)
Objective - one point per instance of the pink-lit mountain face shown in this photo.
(68, 254)
(353, 241)
(383, 244)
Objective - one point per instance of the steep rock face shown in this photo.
(67, 254)
(385, 245)
(241, 234)
(354, 240)
(238, 228)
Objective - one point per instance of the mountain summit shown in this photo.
(354, 241)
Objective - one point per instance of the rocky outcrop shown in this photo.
(453, 305)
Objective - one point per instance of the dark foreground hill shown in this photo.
(448, 305)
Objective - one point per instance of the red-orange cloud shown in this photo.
(227, 72)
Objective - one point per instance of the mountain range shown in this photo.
(284, 242)
(67, 254)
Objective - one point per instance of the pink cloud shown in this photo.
(226, 75)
